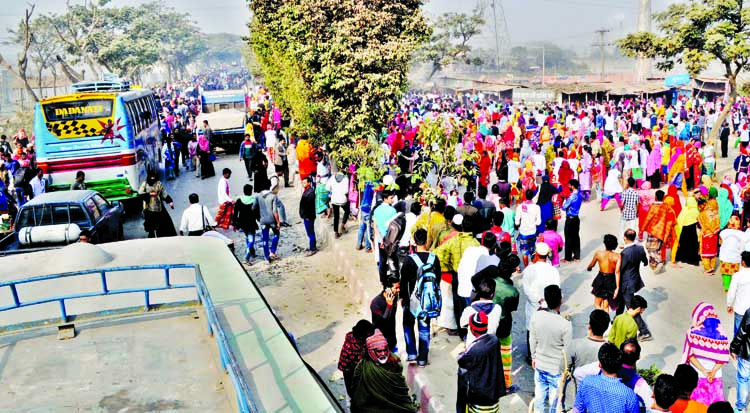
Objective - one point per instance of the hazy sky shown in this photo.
(570, 23)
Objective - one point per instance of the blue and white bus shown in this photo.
(110, 133)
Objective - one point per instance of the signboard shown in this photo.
(534, 96)
(78, 109)
(677, 80)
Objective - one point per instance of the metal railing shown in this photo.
(227, 356)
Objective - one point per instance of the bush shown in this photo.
(650, 374)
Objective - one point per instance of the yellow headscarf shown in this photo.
(688, 216)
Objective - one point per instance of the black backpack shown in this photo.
(393, 235)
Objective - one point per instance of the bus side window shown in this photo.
(129, 109)
(154, 109)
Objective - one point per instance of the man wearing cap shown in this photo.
(535, 278)
(378, 383)
(480, 374)
(449, 254)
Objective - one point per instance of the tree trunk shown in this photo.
(4, 64)
(727, 108)
(40, 83)
(69, 71)
(435, 69)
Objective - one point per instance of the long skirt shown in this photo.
(709, 245)
(708, 393)
(547, 213)
(158, 223)
(687, 249)
(207, 167)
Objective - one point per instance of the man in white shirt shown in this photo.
(738, 297)
(528, 216)
(196, 218)
(226, 204)
(467, 267)
(536, 277)
(38, 183)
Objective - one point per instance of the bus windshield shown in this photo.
(78, 110)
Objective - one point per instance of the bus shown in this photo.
(104, 129)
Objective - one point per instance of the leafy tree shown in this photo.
(222, 48)
(695, 33)
(24, 37)
(336, 66)
(450, 39)
(439, 138)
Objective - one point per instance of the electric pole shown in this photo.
(497, 41)
(601, 45)
(643, 65)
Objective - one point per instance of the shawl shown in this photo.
(725, 207)
(203, 143)
(653, 162)
(676, 158)
(709, 218)
(672, 194)
(705, 338)
(546, 191)
(661, 221)
(645, 195)
(564, 175)
(377, 389)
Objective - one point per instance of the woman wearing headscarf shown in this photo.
(653, 166)
(612, 189)
(156, 220)
(204, 153)
(726, 209)
(672, 194)
(693, 162)
(685, 248)
(645, 199)
(584, 177)
(732, 244)
(709, 226)
(706, 349)
(546, 192)
(564, 175)
(677, 169)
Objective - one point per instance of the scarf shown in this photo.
(705, 338)
(709, 218)
(203, 143)
(673, 195)
(247, 200)
(726, 209)
(688, 216)
(646, 195)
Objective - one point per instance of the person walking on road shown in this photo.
(247, 153)
(738, 297)
(536, 277)
(607, 282)
(740, 351)
(268, 204)
(196, 218)
(156, 219)
(245, 219)
(226, 204)
(631, 258)
(308, 215)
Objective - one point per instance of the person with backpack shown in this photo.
(421, 284)
(245, 218)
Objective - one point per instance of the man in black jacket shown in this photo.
(632, 256)
(740, 349)
(480, 373)
(307, 213)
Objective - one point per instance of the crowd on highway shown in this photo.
(450, 260)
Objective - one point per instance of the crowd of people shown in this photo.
(450, 260)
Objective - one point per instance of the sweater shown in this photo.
(549, 335)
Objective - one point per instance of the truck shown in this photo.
(226, 113)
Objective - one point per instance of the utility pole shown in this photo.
(643, 65)
(544, 64)
(601, 45)
(497, 41)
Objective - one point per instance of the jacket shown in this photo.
(246, 216)
(480, 373)
(741, 342)
(307, 204)
(630, 268)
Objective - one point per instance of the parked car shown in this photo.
(87, 209)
